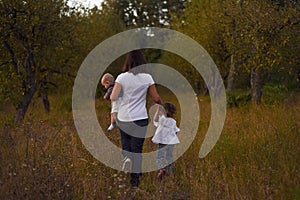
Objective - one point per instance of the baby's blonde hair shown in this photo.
(107, 77)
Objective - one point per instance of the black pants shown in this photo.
(133, 137)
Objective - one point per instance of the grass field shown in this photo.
(256, 157)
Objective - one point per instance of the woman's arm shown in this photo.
(155, 96)
(115, 92)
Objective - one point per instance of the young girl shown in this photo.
(165, 136)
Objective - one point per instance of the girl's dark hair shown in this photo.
(170, 109)
(133, 59)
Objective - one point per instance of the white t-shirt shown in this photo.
(166, 131)
(132, 106)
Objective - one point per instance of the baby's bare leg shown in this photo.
(112, 118)
(112, 121)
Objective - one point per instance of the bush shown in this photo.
(274, 94)
(238, 98)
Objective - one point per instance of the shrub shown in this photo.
(274, 94)
(238, 98)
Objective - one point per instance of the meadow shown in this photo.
(256, 157)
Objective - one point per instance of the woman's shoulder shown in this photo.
(130, 76)
(121, 76)
(147, 77)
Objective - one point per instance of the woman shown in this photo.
(132, 116)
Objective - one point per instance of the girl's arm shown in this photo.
(115, 92)
(156, 116)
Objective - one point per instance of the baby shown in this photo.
(108, 82)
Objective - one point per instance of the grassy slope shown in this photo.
(257, 157)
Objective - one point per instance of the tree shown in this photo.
(199, 22)
(243, 36)
(32, 34)
(266, 23)
(44, 42)
(146, 13)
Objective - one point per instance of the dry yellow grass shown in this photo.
(257, 157)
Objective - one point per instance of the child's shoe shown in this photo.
(161, 174)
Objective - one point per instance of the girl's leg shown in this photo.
(169, 158)
(161, 154)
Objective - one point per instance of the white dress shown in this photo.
(166, 131)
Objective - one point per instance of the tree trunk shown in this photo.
(24, 103)
(231, 75)
(46, 103)
(29, 85)
(256, 85)
(44, 94)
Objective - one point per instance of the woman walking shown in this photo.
(132, 116)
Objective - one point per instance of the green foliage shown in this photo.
(10, 90)
(258, 34)
(43, 44)
(237, 98)
(33, 34)
(184, 68)
(274, 94)
(296, 193)
(146, 13)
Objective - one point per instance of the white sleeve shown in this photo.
(151, 81)
(119, 79)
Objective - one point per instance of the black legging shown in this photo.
(132, 146)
